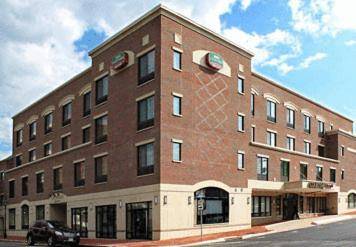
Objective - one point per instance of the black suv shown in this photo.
(53, 232)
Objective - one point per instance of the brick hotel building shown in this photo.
(169, 111)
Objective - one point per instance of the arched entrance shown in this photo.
(216, 205)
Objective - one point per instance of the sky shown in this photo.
(308, 46)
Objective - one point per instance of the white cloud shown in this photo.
(246, 3)
(350, 42)
(5, 131)
(323, 16)
(309, 60)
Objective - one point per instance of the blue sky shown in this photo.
(309, 46)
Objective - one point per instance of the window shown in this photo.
(18, 160)
(303, 171)
(86, 104)
(145, 209)
(66, 142)
(2, 200)
(32, 131)
(145, 113)
(342, 174)
(24, 217)
(307, 123)
(240, 160)
(24, 181)
(253, 133)
(290, 143)
(342, 151)
(262, 168)
(80, 221)
(2, 176)
(321, 128)
(319, 173)
(252, 104)
(279, 205)
(57, 178)
(240, 85)
(47, 149)
(31, 155)
(40, 182)
(216, 205)
(351, 199)
(290, 118)
(12, 189)
(284, 171)
(271, 111)
(146, 64)
(261, 206)
(66, 114)
(321, 151)
(19, 137)
(271, 138)
(240, 122)
(177, 60)
(106, 221)
(79, 174)
(12, 218)
(145, 159)
(307, 147)
(332, 175)
(101, 129)
(301, 204)
(177, 105)
(102, 90)
(101, 169)
(40, 212)
(177, 150)
(86, 135)
(48, 123)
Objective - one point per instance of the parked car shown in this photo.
(53, 233)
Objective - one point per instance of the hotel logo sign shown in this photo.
(214, 61)
(120, 60)
(319, 185)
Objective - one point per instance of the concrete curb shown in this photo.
(332, 220)
(247, 236)
(205, 242)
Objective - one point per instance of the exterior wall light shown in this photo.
(120, 204)
(232, 201)
(189, 200)
(165, 200)
(248, 200)
(156, 200)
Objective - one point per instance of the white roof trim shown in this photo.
(271, 97)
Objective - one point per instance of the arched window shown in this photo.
(216, 205)
(24, 217)
(352, 200)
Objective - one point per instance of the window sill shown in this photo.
(269, 121)
(241, 169)
(291, 128)
(177, 161)
(241, 131)
(100, 143)
(98, 105)
(146, 82)
(86, 116)
(176, 69)
(145, 175)
(241, 93)
(100, 183)
(147, 128)
(79, 187)
(177, 115)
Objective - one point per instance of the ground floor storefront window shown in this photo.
(24, 217)
(106, 221)
(40, 212)
(261, 206)
(351, 199)
(139, 220)
(316, 204)
(216, 205)
(80, 221)
(12, 218)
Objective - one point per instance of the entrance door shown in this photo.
(290, 206)
(58, 212)
(139, 220)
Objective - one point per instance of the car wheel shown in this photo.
(30, 240)
(50, 242)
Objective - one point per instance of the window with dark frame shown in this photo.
(57, 178)
(40, 212)
(253, 133)
(47, 149)
(86, 135)
(101, 90)
(342, 151)
(279, 205)
(321, 128)
(24, 182)
(66, 142)
(48, 123)
(176, 151)
(101, 129)
(307, 124)
(32, 130)
(319, 173)
(252, 104)
(271, 111)
(86, 104)
(321, 151)
(101, 169)
(145, 159)
(332, 175)
(25, 214)
(32, 155)
(12, 218)
(240, 85)
(261, 206)
(240, 122)
(240, 160)
(19, 137)
(40, 182)
(145, 113)
(105, 221)
(271, 138)
(80, 221)
(307, 147)
(177, 60)
(12, 189)
(342, 174)
(66, 114)
(177, 105)
(146, 67)
(290, 143)
(18, 160)
(303, 172)
(262, 168)
(284, 171)
(79, 174)
(290, 118)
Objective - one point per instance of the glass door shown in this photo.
(139, 220)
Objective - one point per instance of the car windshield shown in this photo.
(55, 224)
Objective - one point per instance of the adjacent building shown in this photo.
(170, 113)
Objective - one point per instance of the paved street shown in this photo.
(336, 234)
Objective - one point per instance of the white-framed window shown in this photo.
(240, 122)
(271, 138)
(177, 105)
(177, 150)
(290, 118)
(307, 147)
(290, 143)
(342, 151)
(253, 133)
(240, 85)
(240, 160)
(321, 127)
(177, 60)
(271, 111)
(306, 123)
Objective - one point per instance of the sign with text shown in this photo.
(214, 61)
(120, 60)
(319, 185)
